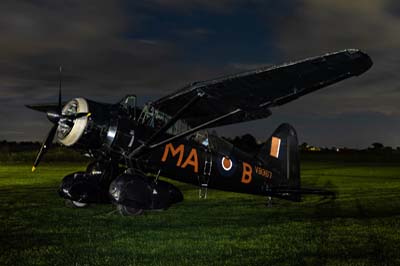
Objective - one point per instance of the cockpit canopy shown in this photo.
(212, 142)
(154, 118)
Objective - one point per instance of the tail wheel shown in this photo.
(129, 211)
(75, 204)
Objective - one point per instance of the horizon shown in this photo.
(230, 139)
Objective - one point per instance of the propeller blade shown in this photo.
(45, 146)
(77, 115)
(53, 117)
(59, 93)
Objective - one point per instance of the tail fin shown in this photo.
(280, 154)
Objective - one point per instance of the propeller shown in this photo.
(56, 118)
(45, 146)
(53, 117)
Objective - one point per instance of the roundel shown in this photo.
(226, 165)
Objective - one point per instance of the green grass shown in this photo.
(360, 227)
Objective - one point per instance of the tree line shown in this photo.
(246, 142)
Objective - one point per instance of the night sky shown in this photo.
(112, 48)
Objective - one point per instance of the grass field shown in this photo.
(360, 227)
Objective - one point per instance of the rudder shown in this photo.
(280, 154)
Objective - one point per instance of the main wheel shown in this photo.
(129, 211)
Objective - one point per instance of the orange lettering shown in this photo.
(192, 160)
(263, 172)
(247, 173)
(174, 152)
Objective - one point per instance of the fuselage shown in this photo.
(111, 134)
(227, 169)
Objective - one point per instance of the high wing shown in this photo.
(254, 92)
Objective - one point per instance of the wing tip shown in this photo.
(362, 60)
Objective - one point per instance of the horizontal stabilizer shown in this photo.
(294, 194)
(302, 191)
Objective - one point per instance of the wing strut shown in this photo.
(167, 125)
(184, 134)
(199, 127)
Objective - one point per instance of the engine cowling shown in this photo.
(105, 129)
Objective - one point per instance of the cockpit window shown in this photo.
(201, 137)
(218, 144)
(212, 142)
(156, 119)
(128, 104)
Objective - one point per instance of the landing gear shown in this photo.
(129, 211)
(81, 188)
(269, 202)
(133, 192)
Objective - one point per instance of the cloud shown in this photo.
(320, 26)
(34, 27)
(187, 5)
(112, 48)
(317, 27)
(87, 38)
